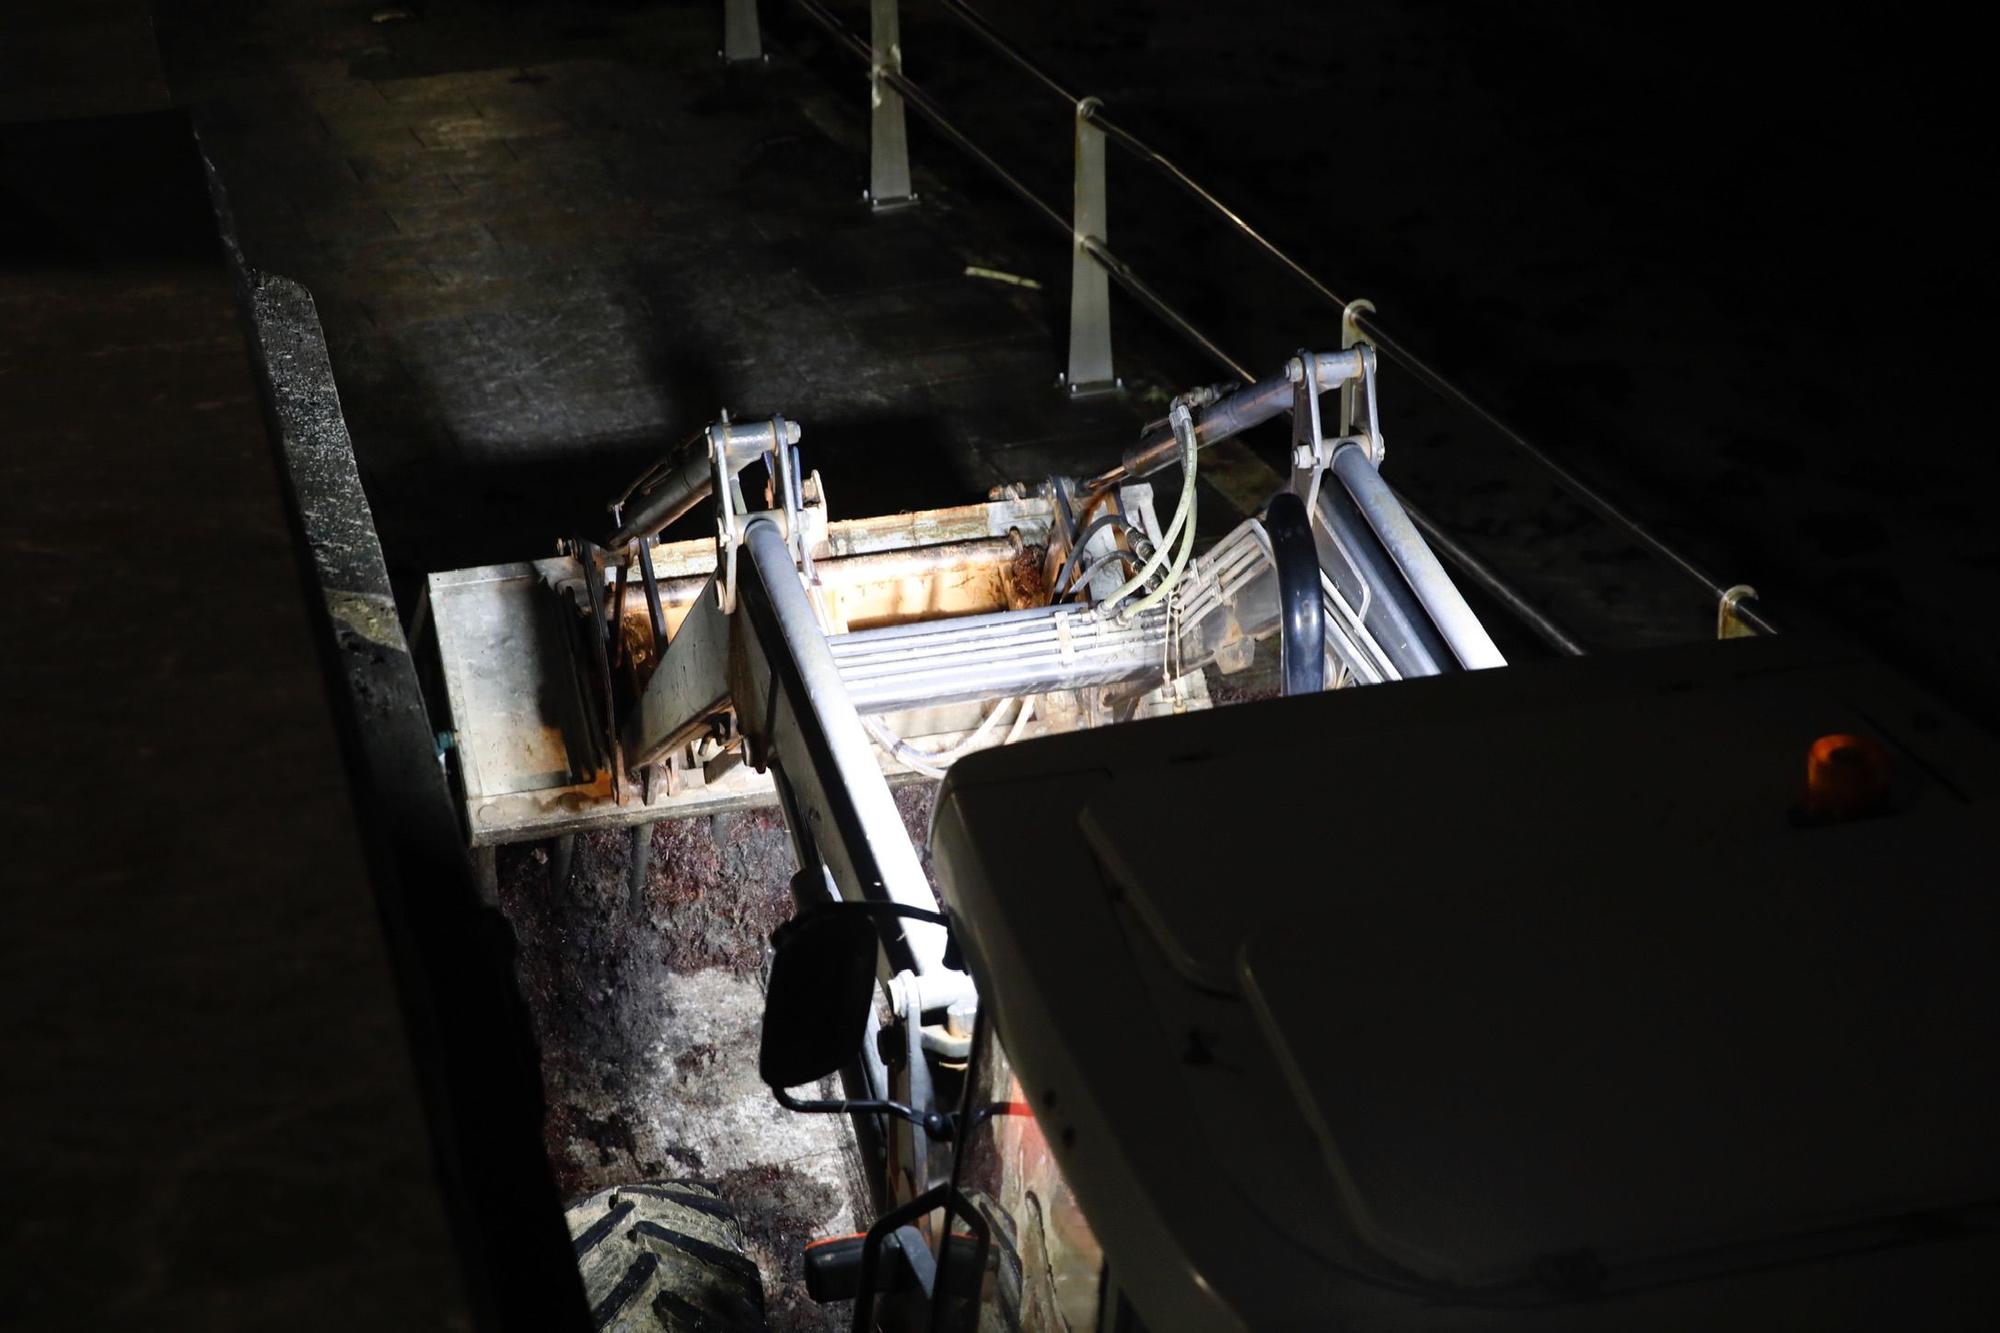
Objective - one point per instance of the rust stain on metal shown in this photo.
(1027, 578)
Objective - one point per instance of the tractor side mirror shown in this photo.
(822, 983)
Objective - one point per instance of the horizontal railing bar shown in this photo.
(1488, 579)
(1594, 499)
(992, 36)
(1575, 485)
(1160, 162)
(917, 98)
(1121, 273)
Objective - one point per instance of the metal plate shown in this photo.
(505, 679)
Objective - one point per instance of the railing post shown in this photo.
(741, 39)
(1090, 369)
(888, 146)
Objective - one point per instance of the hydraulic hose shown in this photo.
(1182, 421)
(1301, 607)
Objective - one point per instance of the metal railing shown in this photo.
(1095, 265)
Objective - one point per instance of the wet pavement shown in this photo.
(547, 242)
(212, 1118)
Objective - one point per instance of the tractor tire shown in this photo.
(665, 1255)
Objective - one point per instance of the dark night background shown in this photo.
(1736, 271)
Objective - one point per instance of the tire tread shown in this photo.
(665, 1255)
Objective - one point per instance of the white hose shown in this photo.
(1182, 421)
(926, 761)
(1020, 721)
(1183, 424)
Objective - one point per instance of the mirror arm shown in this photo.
(934, 1123)
(953, 959)
(880, 907)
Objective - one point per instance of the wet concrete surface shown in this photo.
(547, 241)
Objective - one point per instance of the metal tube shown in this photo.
(1489, 580)
(618, 612)
(593, 587)
(1356, 564)
(1250, 406)
(788, 687)
(687, 486)
(655, 614)
(910, 994)
(977, 653)
(994, 656)
(1399, 536)
(1035, 621)
(915, 562)
(693, 476)
(863, 655)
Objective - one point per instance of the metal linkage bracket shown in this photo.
(1090, 369)
(1351, 336)
(888, 141)
(730, 512)
(731, 448)
(1312, 451)
(795, 496)
(741, 39)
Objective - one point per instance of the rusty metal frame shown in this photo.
(518, 770)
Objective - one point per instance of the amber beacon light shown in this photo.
(1847, 777)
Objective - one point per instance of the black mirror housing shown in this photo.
(822, 982)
